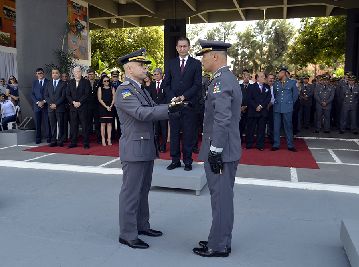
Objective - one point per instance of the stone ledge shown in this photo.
(16, 137)
(349, 235)
(178, 178)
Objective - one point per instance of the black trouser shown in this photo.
(94, 118)
(57, 118)
(66, 123)
(76, 117)
(243, 125)
(161, 133)
(42, 116)
(295, 116)
(304, 115)
(252, 124)
(185, 123)
(199, 127)
(116, 133)
(270, 124)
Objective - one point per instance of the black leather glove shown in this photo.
(215, 161)
(175, 107)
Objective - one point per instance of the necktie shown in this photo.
(245, 86)
(158, 87)
(54, 85)
(41, 83)
(182, 66)
(351, 89)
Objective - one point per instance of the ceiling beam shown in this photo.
(101, 23)
(239, 10)
(132, 10)
(149, 5)
(108, 6)
(285, 9)
(329, 10)
(133, 21)
(192, 4)
(204, 17)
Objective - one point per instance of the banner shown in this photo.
(7, 23)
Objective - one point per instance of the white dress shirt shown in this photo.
(185, 60)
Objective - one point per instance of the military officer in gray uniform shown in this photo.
(306, 92)
(324, 96)
(350, 98)
(285, 94)
(221, 146)
(136, 111)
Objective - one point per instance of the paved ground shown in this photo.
(52, 218)
(61, 210)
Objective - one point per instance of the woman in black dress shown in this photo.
(106, 97)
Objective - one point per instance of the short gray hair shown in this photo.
(158, 70)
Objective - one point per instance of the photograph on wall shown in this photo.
(7, 23)
(78, 36)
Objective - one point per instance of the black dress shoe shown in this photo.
(274, 148)
(204, 244)
(326, 131)
(52, 144)
(61, 144)
(72, 145)
(150, 232)
(86, 146)
(249, 147)
(173, 166)
(137, 243)
(188, 167)
(341, 132)
(48, 141)
(355, 132)
(316, 131)
(195, 150)
(38, 142)
(260, 148)
(293, 149)
(206, 252)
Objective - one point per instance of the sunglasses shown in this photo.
(106, 81)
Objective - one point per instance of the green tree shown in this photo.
(321, 41)
(109, 44)
(222, 32)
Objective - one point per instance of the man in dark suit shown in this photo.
(77, 94)
(244, 107)
(259, 97)
(40, 105)
(116, 129)
(93, 106)
(183, 80)
(158, 95)
(55, 95)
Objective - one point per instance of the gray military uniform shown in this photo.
(323, 93)
(350, 100)
(136, 111)
(306, 99)
(221, 130)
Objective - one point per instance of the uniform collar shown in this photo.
(225, 67)
(133, 82)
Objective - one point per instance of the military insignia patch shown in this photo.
(126, 93)
(217, 75)
(217, 88)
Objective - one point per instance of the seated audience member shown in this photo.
(2, 86)
(8, 113)
(12, 90)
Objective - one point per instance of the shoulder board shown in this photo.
(125, 83)
(126, 93)
(217, 75)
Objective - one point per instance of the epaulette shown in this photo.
(217, 75)
(125, 83)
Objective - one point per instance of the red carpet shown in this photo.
(281, 158)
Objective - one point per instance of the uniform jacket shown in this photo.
(56, 96)
(187, 84)
(349, 97)
(285, 96)
(256, 98)
(324, 94)
(306, 91)
(78, 94)
(37, 93)
(137, 111)
(222, 116)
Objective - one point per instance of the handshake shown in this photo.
(177, 104)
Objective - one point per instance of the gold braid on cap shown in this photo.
(208, 49)
(137, 58)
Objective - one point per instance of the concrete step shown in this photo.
(349, 235)
(16, 137)
(179, 178)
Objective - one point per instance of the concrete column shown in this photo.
(40, 27)
(352, 41)
(174, 28)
